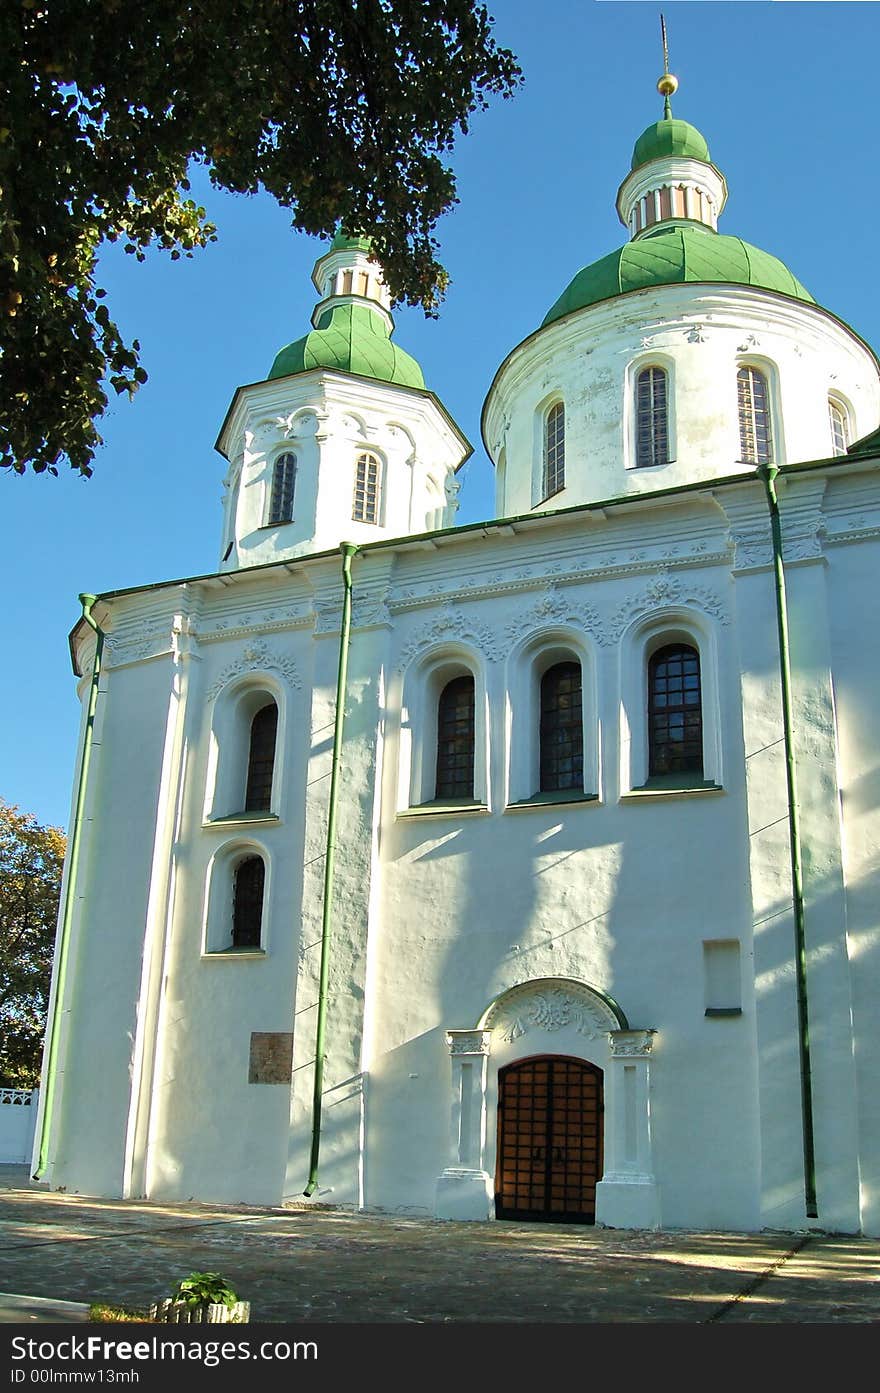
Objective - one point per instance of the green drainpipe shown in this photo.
(54, 1027)
(348, 551)
(768, 473)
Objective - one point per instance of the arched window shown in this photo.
(261, 760)
(675, 716)
(755, 433)
(283, 483)
(247, 902)
(562, 728)
(455, 739)
(652, 428)
(839, 426)
(554, 450)
(366, 504)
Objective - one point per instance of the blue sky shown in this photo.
(783, 92)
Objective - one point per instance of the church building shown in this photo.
(525, 869)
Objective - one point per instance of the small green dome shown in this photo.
(669, 137)
(341, 242)
(674, 257)
(350, 338)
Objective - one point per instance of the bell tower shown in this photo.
(342, 441)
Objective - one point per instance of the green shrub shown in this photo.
(203, 1289)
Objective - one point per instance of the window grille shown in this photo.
(675, 718)
(283, 482)
(247, 895)
(755, 435)
(365, 507)
(455, 739)
(562, 729)
(554, 450)
(839, 427)
(261, 760)
(652, 428)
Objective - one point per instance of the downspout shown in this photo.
(768, 473)
(54, 1026)
(348, 550)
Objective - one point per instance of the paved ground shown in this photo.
(297, 1266)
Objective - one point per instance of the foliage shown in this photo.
(101, 1312)
(31, 862)
(341, 109)
(203, 1288)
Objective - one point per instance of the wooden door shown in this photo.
(549, 1140)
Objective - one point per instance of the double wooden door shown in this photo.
(549, 1140)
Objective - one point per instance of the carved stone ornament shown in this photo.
(550, 1005)
(452, 623)
(370, 611)
(554, 606)
(752, 548)
(468, 1041)
(664, 589)
(631, 1043)
(133, 646)
(238, 625)
(257, 656)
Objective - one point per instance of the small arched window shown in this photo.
(456, 739)
(562, 728)
(366, 504)
(554, 451)
(839, 421)
(283, 484)
(755, 432)
(652, 425)
(675, 716)
(261, 759)
(247, 902)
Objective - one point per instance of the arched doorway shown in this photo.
(549, 1158)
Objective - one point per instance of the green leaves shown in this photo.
(340, 110)
(31, 861)
(204, 1288)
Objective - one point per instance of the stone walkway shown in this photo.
(307, 1266)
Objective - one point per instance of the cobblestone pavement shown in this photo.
(299, 1265)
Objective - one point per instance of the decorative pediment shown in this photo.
(551, 1004)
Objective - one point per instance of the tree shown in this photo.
(341, 109)
(31, 861)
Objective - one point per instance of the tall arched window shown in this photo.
(247, 902)
(839, 426)
(675, 716)
(367, 479)
(755, 433)
(283, 484)
(261, 759)
(553, 478)
(455, 739)
(562, 728)
(652, 426)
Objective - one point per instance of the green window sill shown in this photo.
(670, 787)
(235, 953)
(239, 819)
(444, 807)
(560, 798)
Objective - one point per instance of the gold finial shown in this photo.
(667, 84)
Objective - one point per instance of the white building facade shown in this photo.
(553, 839)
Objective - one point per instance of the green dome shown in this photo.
(341, 242)
(669, 137)
(674, 257)
(350, 338)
